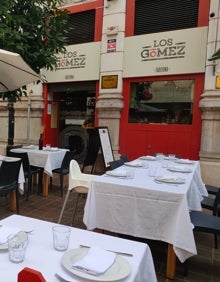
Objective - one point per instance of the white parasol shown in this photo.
(14, 72)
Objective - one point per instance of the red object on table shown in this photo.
(30, 275)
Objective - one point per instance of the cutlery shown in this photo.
(61, 278)
(86, 270)
(28, 231)
(116, 252)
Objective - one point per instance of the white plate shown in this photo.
(133, 164)
(148, 158)
(119, 270)
(170, 179)
(29, 147)
(51, 149)
(10, 159)
(184, 161)
(177, 169)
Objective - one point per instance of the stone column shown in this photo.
(210, 104)
(110, 100)
(21, 119)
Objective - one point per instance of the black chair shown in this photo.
(10, 147)
(29, 171)
(205, 223)
(124, 158)
(116, 163)
(63, 170)
(211, 189)
(9, 174)
(212, 203)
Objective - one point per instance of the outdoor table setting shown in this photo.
(74, 254)
(49, 158)
(154, 203)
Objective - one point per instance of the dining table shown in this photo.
(129, 201)
(41, 256)
(21, 181)
(48, 159)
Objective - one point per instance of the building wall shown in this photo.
(28, 115)
(110, 102)
(210, 104)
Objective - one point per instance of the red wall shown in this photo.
(141, 139)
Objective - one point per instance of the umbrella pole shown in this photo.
(11, 120)
(28, 119)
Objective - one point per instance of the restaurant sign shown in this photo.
(163, 49)
(71, 59)
(174, 52)
(80, 62)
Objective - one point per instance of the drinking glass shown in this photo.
(152, 170)
(61, 236)
(172, 157)
(17, 244)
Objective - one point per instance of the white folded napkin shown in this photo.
(184, 161)
(117, 172)
(96, 262)
(166, 178)
(179, 169)
(170, 179)
(5, 231)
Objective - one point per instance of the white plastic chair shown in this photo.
(79, 182)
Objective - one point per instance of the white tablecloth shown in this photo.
(142, 208)
(46, 159)
(41, 256)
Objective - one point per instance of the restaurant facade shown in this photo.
(141, 69)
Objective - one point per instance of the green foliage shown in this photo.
(215, 56)
(36, 29)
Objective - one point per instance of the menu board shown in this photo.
(105, 145)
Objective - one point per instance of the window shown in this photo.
(165, 15)
(82, 26)
(165, 102)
